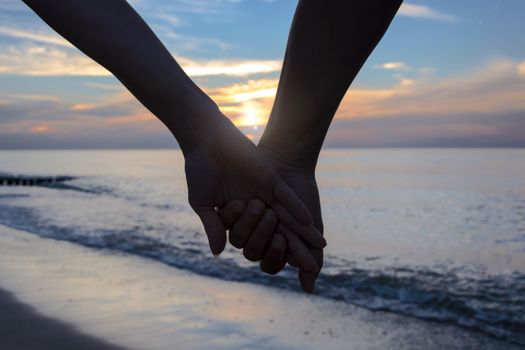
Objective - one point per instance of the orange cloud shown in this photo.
(236, 68)
(83, 106)
(48, 60)
(40, 129)
(54, 38)
(247, 104)
(521, 69)
(497, 87)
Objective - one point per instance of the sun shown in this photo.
(251, 116)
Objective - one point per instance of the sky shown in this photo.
(447, 73)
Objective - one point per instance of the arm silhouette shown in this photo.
(222, 165)
(328, 44)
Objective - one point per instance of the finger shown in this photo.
(275, 257)
(298, 249)
(307, 280)
(291, 260)
(307, 232)
(231, 212)
(243, 228)
(261, 236)
(284, 194)
(214, 228)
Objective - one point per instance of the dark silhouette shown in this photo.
(328, 44)
(266, 195)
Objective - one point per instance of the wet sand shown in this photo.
(22, 327)
(58, 295)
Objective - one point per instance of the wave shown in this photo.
(493, 304)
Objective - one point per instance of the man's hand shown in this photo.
(281, 245)
(302, 181)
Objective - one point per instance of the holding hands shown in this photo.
(235, 186)
(265, 195)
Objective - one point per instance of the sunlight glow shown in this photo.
(251, 116)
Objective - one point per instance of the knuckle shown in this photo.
(268, 221)
(294, 250)
(256, 207)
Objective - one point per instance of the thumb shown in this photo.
(215, 229)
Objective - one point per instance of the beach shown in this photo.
(425, 251)
(107, 300)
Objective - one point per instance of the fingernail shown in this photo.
(216, 255)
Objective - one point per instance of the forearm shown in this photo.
(115, 36)
(328, 44)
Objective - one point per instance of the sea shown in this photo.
(436, 234)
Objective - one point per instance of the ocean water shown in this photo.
(437, 234)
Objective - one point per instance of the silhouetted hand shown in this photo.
(262, 238)
(225, 166)
(301, 179)
(252, 230)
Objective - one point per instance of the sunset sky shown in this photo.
(447, 73)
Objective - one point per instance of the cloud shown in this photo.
(40, 129)
(103, 86)
(460, 130)
(52, 61)
(521, 69)
(47, 61)
(425, 12)
(182, 42)
(484, 106)
(247, 104)
(236, 68)
(54, 39)
(171, 19)
(61, 120)
(30, 97)
(400, 66)
(495, 87)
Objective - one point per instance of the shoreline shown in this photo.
(112, 298)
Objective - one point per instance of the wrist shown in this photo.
(194, 122)
(297, 141)
(290, 153)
